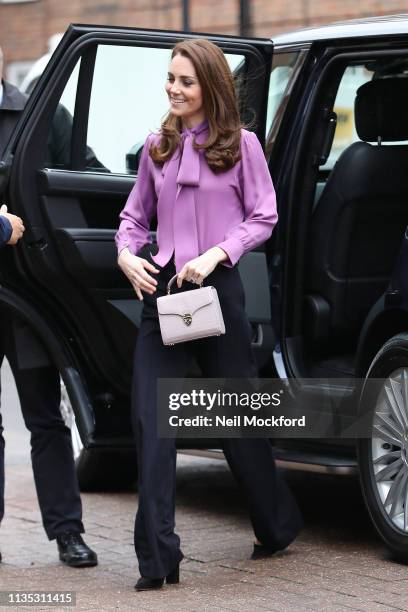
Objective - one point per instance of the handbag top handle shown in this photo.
(171, 281)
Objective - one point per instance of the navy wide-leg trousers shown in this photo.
(274, 513)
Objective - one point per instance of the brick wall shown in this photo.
(26, 27)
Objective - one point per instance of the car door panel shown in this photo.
(90, 257)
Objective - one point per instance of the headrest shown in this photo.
(381, 109)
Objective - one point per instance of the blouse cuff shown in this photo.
(233, 248)
(122, 247)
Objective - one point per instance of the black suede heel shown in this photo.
(174, 576)
(149, 584)
(261, 552)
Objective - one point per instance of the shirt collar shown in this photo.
(196, 129)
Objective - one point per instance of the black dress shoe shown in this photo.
(74, 552)
(148, 584)
(261, 552)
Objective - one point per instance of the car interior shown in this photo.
(358, 215)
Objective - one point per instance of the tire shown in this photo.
(98, 469)
(383, 457)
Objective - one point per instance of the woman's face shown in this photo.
(184, 91)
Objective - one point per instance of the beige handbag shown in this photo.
(189, 315)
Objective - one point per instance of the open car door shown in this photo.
(70, 166)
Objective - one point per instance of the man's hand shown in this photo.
(16, 224)
(197, 269)
(134, 268)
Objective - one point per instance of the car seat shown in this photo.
(358, 222)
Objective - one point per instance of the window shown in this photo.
(127, 101)
(345, 134)
(353, 77)
(283, 65)
(129, 104)
(16, 72)
(58, 153)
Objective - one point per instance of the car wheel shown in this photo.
(98, 469)
(383, 457)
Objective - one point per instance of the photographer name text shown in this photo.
(236, 421)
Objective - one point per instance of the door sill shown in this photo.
(288, 460)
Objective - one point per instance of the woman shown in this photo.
(207, 180)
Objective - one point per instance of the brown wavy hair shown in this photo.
(222, 147)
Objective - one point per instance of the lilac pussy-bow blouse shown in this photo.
(196, 208)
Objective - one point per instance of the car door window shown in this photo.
(283, 65)
(127, 101)
(345, 134)
(130, 104)
(58, 153)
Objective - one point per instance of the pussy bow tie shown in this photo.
(177, 215)
(189, 169)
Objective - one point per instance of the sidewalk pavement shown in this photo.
(336, 564)
(329, 568)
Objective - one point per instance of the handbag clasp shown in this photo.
(187, 318)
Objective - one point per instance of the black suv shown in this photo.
(327, 296)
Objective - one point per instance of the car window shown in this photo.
(58, 154)
(283, 65)
(345, 134)
(127, 101)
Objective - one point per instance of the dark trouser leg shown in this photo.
(274, 513)
(3, 327)
(1, 471)
(51, 448)
(157, 545)
(2, 444)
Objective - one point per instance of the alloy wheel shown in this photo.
(390, 447)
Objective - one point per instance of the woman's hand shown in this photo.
(197, 269)
(134, 268)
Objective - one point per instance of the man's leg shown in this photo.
(2, 442)
(51, 451)
(1, 471)
(2, 476)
